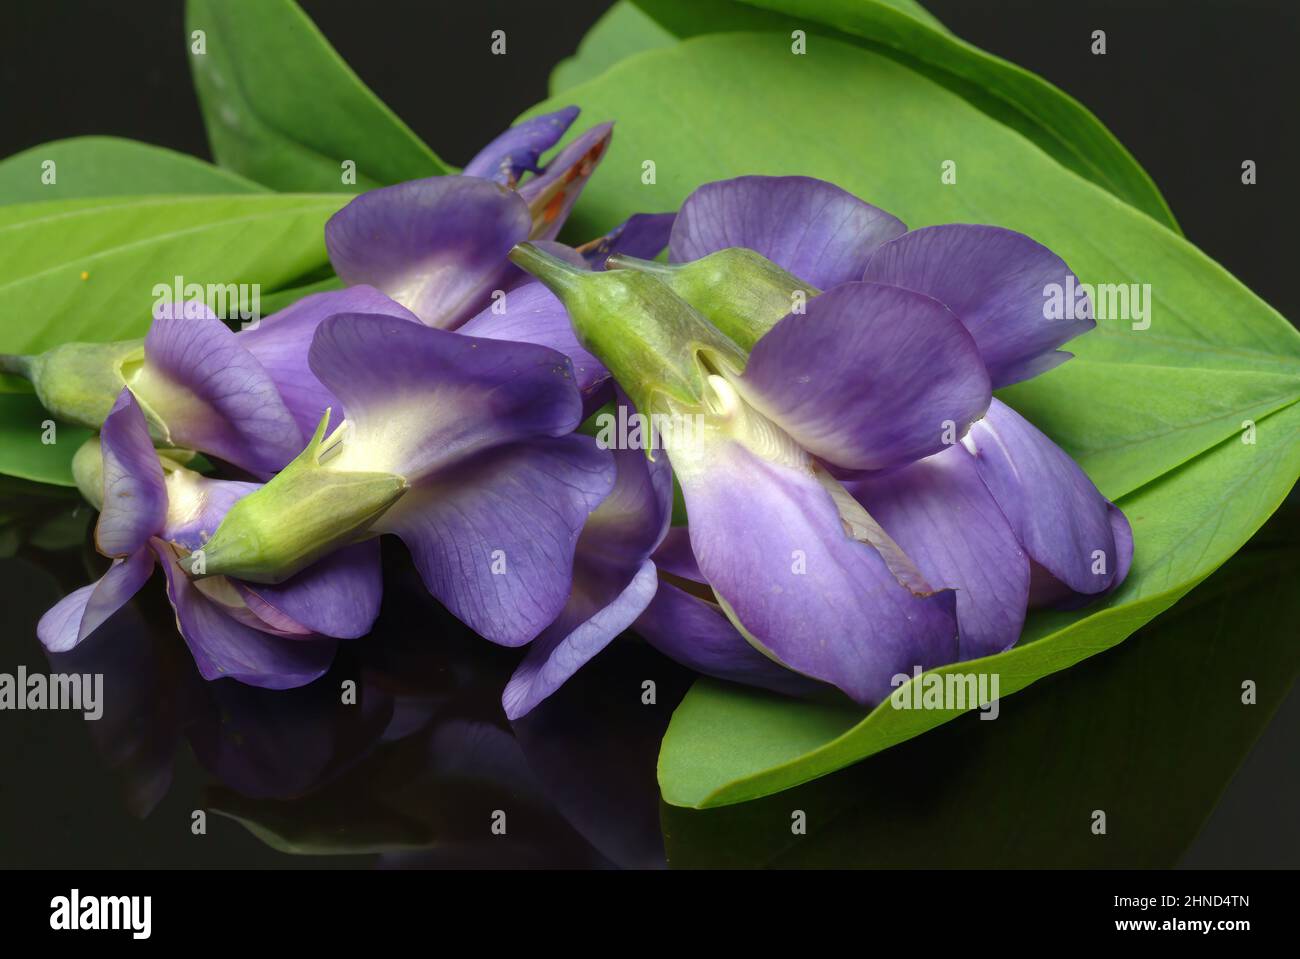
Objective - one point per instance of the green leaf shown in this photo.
(282, 108)
(110, 166)
(620, 32)
(1157, 724)
(1127, 423)
(24, 451)
(86, 270)
(1056, 122)
(1156, 412)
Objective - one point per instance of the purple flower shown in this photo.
(1005, 518)
(821, 404)
(461, 446)
(795, 562)
(438, 246)
(154, 510)
(453, 489)
(1034, 530)
(261, 377)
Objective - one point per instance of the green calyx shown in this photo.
(78, 382)
(741, 292)
(303, 513)
(658, 348)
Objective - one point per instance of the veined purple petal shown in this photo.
(196, 504)
(583, 629)
(215, 396)
(1065, 525)
(419, 398)
(517, 151)
(998, 282)
(82, 611)
(224, 647)
(642, 235)
(696, 633)
(809, 227)
(770, 540)
(613, 579)
(59, 629)
(437, 246)
(530, 313)
(135, 499)
(493, 537)
(942, 515)
(869, 377)
(338, 596)
(280, 343)
(552, 195)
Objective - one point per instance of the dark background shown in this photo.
(1191, 88)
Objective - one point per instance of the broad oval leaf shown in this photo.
(726, 105)
(109, 166)
(86, 270)
(282, 108)
(624, 29)
(899, 29)
(33, 446)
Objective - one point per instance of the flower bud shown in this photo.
(657, 347)
(302, 514)
(551, 194)
(741, 292)
(78, 382)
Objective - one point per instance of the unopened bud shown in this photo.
(658, 348)
(78, 382)
(741, 292)
(304, 513)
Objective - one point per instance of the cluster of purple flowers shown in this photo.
(857, 504)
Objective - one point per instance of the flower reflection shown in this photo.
(401, 752)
